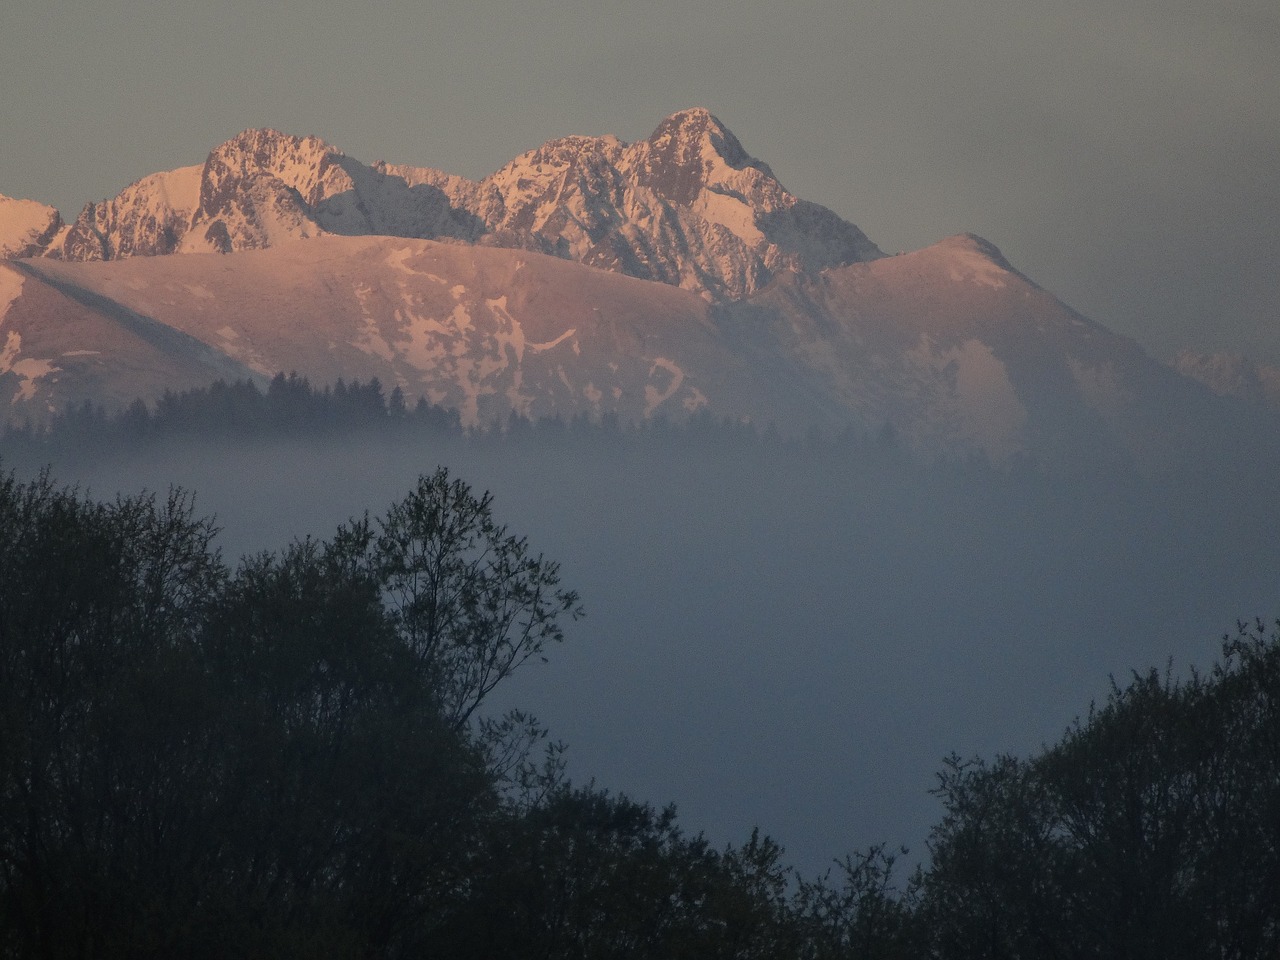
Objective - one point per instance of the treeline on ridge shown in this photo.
(290, 406)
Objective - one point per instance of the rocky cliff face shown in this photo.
(149, 218)
(688, 207)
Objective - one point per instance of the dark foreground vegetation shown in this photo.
(292, 757)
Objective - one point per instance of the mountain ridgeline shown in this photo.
(587, 277)
(687, 206)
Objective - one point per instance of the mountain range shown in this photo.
(589, 276)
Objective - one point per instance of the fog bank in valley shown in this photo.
(787, 637)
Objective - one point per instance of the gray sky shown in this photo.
(1125, 156)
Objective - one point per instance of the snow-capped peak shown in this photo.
(300, 163)
(967, 254)
(972, 245)
(697, 136)
(26, 227)
(686, 206)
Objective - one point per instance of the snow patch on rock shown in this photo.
(28, 370)
(656, 395)
(984, 408)
(26, 227)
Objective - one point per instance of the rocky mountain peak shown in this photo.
(300, 163)
(692, 150)
(570, 149)
(687, 206)
(692, 126)
(698, 135)
(534, 183)
(26, 227)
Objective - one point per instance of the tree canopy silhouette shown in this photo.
(197, 761)
(1151, 829)
(290, 757)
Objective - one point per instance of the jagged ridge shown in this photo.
(687, 206)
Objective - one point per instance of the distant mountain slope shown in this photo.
(587, 277)
(484, 330)
(1015, 370)
(950, 346)
(63, 344)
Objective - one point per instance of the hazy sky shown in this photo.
(1125, 156)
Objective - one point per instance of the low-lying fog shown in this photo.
(787, 639)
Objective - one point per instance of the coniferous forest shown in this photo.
(309, 751)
